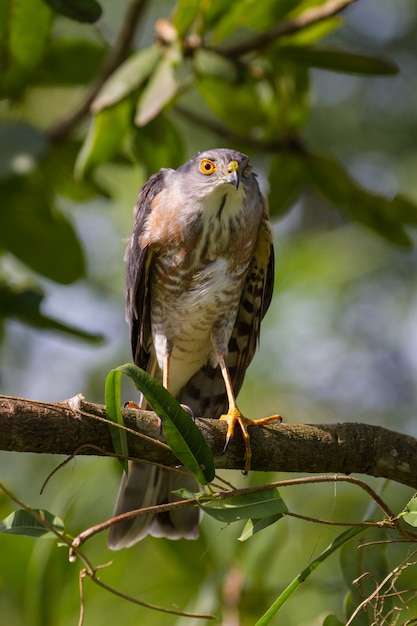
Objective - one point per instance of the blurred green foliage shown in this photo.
(326, 112)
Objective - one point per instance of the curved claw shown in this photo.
(234, 416)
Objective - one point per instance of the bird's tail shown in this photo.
(149, 485)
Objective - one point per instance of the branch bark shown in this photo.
(75, 426)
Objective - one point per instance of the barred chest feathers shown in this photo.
(198, 268)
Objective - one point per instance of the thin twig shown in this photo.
(291, 143)
(116, 56)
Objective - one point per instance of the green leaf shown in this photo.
(185, 13)
(24, 304)
(36, 232)
(254, 526)
(158, 144)
(58, 166)
(114, 413)
(21, 147)
(386, 217)
(287, 176)
(128, 77)
(88, 11)
(409, 515)
(332, 620)
(238, 105)
(253, 14)
(212, 63)
(340, 540)
(105, 136)
(311, 34)
(70, 62)
(161, 88)
(335, 60)
(21, 522)
(182, 435)
(24, 32)
(261, 504)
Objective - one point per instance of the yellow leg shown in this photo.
(234, 416)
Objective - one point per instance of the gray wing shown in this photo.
(138, 260)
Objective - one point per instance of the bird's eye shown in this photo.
(207, 167)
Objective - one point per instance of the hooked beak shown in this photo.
(233, 176)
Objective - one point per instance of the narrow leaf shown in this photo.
(128, 77)
(256, 505)
(21, 522)
(341, 539)
(182, 435)
(335, 60)
(161, 88)
(114, 413)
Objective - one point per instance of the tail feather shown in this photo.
(148, 485)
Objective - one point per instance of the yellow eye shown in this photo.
(207, 167)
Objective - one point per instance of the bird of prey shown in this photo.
(199, 280)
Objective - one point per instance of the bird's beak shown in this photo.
(233, 175)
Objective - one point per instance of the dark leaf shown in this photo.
(70, 62)
(36, 232)
(287, 176)
(337, 60)
(24, 32)
(24, 304)
(386, 217)
(158, 144)
(182, 435)
(80, 10)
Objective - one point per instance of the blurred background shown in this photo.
(339, 342)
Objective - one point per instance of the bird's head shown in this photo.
(216, 168)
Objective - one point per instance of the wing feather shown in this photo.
(138, 260)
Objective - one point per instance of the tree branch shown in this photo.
(287, 27)
(78, 427)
